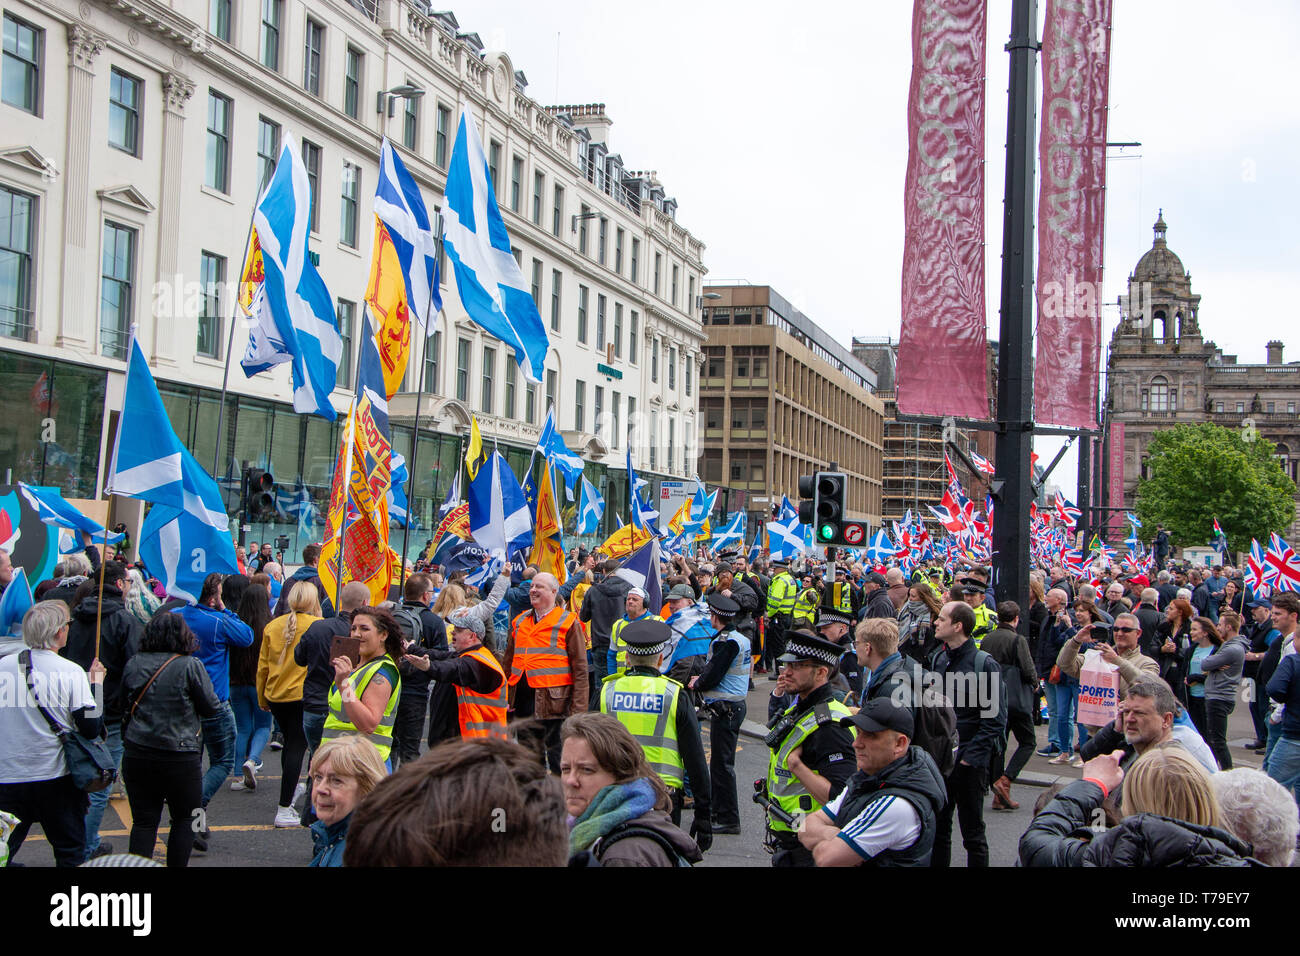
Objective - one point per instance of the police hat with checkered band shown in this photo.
(830, 614)
(646, 638)
(806, 646)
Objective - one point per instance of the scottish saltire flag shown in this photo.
(492, 287)
(756, 549)
(186, 534)
(499, 518)
(485, 573)
(54, 510)
(397, 502)
(1132, 519)
(591, 508)
(643, 516)
(551, 444)
(295, 316)
(641, 570)
(733, 531)
(785, 537)
(399, 206)
(14, 603)
(298, 504)
(881, 549)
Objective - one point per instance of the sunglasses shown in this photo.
(1126, 630)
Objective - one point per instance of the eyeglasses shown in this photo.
(1126, 630)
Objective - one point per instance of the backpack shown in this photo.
(408, 618)
(936, 721)
(632, 830)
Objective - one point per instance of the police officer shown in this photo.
(634, 605)
(973, 585)
(835, 625)
(657, 711)
(812, 755)
(781, 595)
(724, 685)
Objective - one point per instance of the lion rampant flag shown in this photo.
(548, 541)
(623, 542)
(389, 313)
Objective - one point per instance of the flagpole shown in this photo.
(117, 441)
(230, 340)
(347, 491)
(415, 450)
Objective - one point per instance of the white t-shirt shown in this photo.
(29, 750)
(886, 823)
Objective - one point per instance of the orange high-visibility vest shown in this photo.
(541, 648)
(483, 715)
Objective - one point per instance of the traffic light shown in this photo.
(828, 506)
(807, 492)
(260, 492)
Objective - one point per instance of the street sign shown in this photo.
(854, 532)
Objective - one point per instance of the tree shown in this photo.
(1202, 472)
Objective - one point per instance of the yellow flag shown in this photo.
(623, 542)
(679, 520)
(389, 314)
(473, 454)
(548, 543)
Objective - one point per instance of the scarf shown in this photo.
(612, 807)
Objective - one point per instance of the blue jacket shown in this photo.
(329, 842)
(1284, 687)
(216, 631)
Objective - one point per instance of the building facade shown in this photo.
(138, 136)
(1162, 372)
(780, 398)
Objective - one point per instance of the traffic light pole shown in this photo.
(1015, 337)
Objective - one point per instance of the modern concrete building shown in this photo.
(780, 398)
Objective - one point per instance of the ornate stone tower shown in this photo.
(1160, 304)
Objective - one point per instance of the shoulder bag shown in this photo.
(91, 765)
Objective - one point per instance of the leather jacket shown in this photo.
(168, 714)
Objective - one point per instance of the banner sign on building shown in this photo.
(1116, 522)
(942, 354)
(1071, 211)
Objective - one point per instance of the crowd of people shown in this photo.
(897, 707)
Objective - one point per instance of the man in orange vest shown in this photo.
(471, 678)
(547, 649)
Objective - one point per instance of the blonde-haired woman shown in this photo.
(343, 771)
(1171, 817)
(140, 601)
(279, 688)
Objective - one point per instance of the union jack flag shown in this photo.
(1258, 571)
(982, 463)
(1067, 513)
(1282, 563)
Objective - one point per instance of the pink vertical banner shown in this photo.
(1071, 211)
(942, 343)
(1116, 523)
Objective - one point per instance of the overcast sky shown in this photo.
(781, 129)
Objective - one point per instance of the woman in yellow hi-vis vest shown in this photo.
(364, 699)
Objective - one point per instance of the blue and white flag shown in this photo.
(400, 207)
(641, 570)
(298, 504)
(591, 508)
(14, 603)
(785, 538)
(756, 549)
(296, 321)
(551, 444)
(186, 534)
(499, 518)
(54, 510)
(643, 516)
(399, 476)
(734, 531)
(881, 548)
(491, 285)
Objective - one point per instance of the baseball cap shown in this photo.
(882, 713)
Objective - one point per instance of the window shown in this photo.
(410, 121)
(217, 175)
(618, 251)
(537, 283)
(1290, 408)
(268, 150)
(636, 255)
(601, 236)
(17, 235)
(631, 417)
(659, 262)
(462, 369)
(219, 19)
(440, 139)
(311, 160)
(346, 313)
(672, 369)
(555, 300)
(1269, 408)
(1218, 407)
(557, 210)
(489, 370)
(1160, 395)
(618, 329)
(690, 368)
(654, 436)
(212, 274)
(516, 183)
(312, 47)
(512, 370)
(271, 11)
(494, 164)
(600, 323)
(674, 285)
(23, 48)
(631, 341)
(583, 212)
(550, 388)
(432, 352)
(519, 256)
(539, 185)
(598, 406)
(124, 112)
(579, 402)
(1241, 408)
(654, 360)
(116, 289)
(352, 82)
(690, 296)
(582, 314)
(530, 404)
(613, 432)
(348, 213)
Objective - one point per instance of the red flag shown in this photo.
(1071, 210)
(942, 353)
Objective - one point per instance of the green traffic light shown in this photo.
(826, 532)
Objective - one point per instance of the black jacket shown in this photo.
(449, 670)
(602, 605)
(304, 573)
(828, 750)
(1167, 593)
(746, 620)
(119, 639)
(433, 637)
(1060, 836)
(1050, 642)
(899, 674)
(879, 605)
(915, 778)
(313, 652)
(981, 727)
(1149, 618)
(168, 714)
